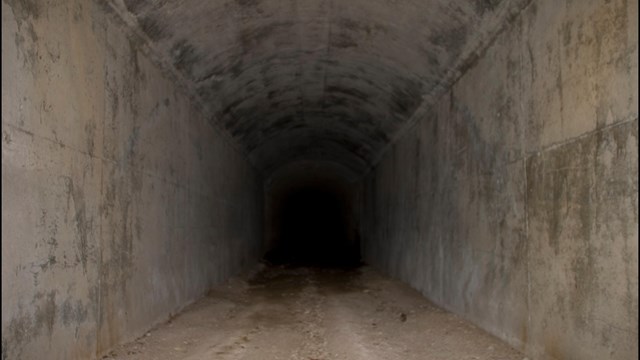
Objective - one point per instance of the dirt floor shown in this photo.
(315, 314)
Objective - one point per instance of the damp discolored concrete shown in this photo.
(109, 180)
(514, 201)
(349, 75)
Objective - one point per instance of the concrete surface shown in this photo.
(488, 151)
(120, 204)
(330, 80)
(309, 314)
(514, 202)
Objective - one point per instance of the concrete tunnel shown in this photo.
(421, 179)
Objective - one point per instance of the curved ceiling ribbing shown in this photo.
(330, 80)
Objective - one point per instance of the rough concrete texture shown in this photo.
(330, 80)
(136, 134)
(514, 202)
(120, 203)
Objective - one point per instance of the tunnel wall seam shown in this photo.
(123, 17)
(449, 81)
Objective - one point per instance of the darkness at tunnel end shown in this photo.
(312, 222)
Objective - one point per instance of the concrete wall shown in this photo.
(515, 201)
(120, 203)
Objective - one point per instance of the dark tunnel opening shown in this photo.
(313, 224)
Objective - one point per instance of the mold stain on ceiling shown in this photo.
(321, 80)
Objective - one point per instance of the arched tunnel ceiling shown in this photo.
(320, 80)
